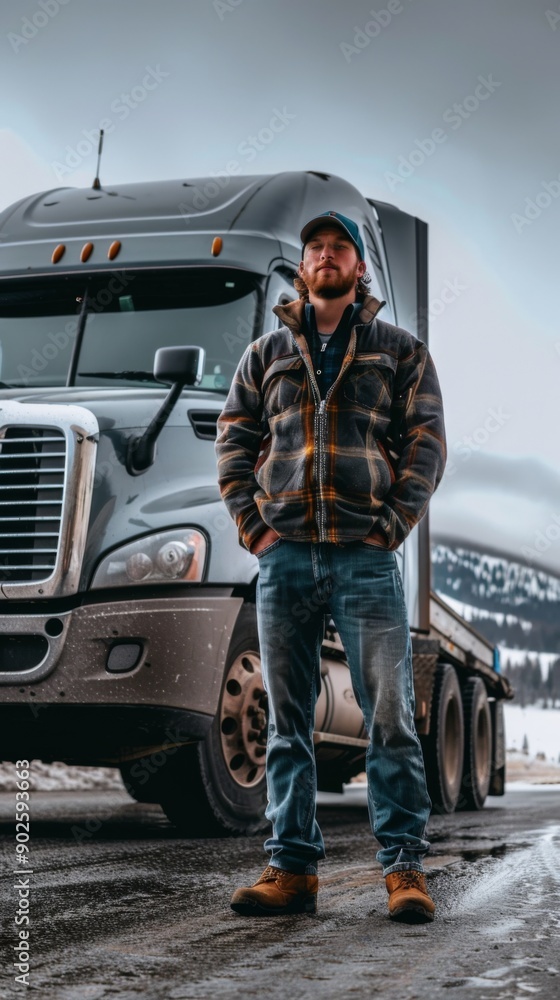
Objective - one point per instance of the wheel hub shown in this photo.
(243, 720)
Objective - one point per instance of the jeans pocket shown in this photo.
(268, 548)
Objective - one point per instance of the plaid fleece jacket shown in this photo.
(364, 461)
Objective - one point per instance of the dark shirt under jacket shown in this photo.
(327, 361)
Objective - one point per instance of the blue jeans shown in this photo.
(360, 586)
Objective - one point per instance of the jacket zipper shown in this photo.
(319, 432)
(316, 439)
(321, 418)
(323, 433)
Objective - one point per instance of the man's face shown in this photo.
(330, 265)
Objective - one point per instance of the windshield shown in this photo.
(126, 316)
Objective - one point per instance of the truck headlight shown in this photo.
(176, 556)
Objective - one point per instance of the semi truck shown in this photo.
(128, 635)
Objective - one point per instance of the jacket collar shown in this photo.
(350, 317)
(292, 314)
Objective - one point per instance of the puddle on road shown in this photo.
(473, 854)
(498, 851)
(357, 876)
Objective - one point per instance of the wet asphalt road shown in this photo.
(122, 907)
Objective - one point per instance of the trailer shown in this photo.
(128, 632)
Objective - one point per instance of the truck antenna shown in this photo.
(96, 183)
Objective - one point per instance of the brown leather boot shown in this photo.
(409, 899)
(277, 892)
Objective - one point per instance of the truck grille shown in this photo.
(32, 467)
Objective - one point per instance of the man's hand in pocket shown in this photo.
(376, 538)
(267, 538)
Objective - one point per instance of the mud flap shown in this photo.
(498, 770)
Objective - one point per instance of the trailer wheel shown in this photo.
(218, 786)
(478, 745)
(443, 747)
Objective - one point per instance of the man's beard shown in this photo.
(332, 290)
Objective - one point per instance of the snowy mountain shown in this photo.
(512, 605)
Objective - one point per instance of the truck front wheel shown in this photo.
(443, 747)
(478, 745)
(218, 786)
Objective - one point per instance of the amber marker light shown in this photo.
(86, 253)
(217, 244)
(114, 249)
(58, 253)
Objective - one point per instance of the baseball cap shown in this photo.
(342, 221)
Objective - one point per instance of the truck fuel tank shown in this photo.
(337, 710)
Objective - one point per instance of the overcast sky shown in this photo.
(447, 109)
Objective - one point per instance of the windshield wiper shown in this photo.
(129, 375)
(71, 380)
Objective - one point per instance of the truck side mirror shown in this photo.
(181, 366)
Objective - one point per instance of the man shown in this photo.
(305, 468)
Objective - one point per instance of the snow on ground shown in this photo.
(540, 726)
(61, 777)
(525, 771)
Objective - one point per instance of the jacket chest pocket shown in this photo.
(370, 381)
(283, 385)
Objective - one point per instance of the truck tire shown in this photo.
(443, 747)
(478, 745)
(218, 787)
